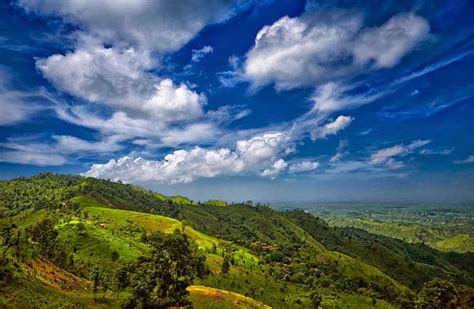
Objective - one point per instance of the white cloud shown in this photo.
(441, 152)
(171, 103)
(198, 54)
(331, 128)
(157, 134)
(234, 76)
(341, 151)
(198, 132)
(469, 159)
(318, 47)
(119, 79)
(263, 148)
(116, 50)
(337, 157)
(16, 105)
(14, 108)
(158, 25)
(102, 75)
(34, 158)
(303, 166)
(386, 156)
(275, 169)
(259, 153)
(28, 150)
(384, 46)
(330, 97)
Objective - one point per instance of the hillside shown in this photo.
(454, 235)
(96, 236)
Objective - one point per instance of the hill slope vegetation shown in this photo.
(70, 240)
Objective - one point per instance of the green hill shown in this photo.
(65, 236)
(460, 243)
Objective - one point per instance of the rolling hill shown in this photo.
(253, 256)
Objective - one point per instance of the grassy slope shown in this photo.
(459, 243)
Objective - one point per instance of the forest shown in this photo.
(72, 241)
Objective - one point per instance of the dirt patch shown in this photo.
(234, 299)
(54, 276)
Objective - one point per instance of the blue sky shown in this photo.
(265, 100)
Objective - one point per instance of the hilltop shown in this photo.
(102, 233)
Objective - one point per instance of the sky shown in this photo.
(263, 100)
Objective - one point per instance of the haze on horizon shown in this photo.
(243, 100)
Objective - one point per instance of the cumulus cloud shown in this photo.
(386, 156)
(198, 54)
(260, 149)
(172, 103)
(158, 25)
(275, 169)
(331, 128)
(119, 79)
(117, 48)
(303, 166)
(102, 75)
(384, 46)
(257, 154)
(319, 47)
(469, 159)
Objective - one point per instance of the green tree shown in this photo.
(114, 256)
(44, 234)
(95, 282)
(226, 264)
(7, 234)
(104, 283)
(316, 299)
(437, 293)
(160, 281)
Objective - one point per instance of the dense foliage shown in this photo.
(160, 280)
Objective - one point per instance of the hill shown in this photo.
(97, 235)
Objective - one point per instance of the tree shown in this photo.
(44, 234)
(104, 283)
(316, 299)
(226, 264)
(437, 293)
(114, 256)
(160, 281)
(95, 281)
(8, 239)
(214, 248)
(184, 224)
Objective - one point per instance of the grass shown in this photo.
(460, 243)
(94, 245)
(353, 302)
(116, 219)
(86, 201)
